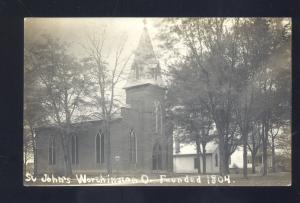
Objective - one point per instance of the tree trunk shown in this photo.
(222, 164)
(245, 145)
(198, 154)
(253, 156)
(273, 156)
(264, 144)
(227, 162)
(35, 160)
(34, 151)
(107, 130)
(226, 159)
(66, 151)
(204, 160)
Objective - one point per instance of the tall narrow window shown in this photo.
(99, 147)
(158, 117)
(74, 147)
(52, 156)
(216, 160)
(132, 147)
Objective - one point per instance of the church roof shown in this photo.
(145, 68)
(77, 124)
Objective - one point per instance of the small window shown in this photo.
(216, 160)
(99, 147)
(74, 147)
(229, 160)
(52, 155)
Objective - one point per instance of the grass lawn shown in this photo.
(273, 179)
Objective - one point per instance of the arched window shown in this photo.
(52, 155)
(157, 157)
(74, 149)
(216, 160)
(99, 147)
(132, 147)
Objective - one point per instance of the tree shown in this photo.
(192, 116)
(247, 89)
(274, 70)
(34, 113)
(283, 145)
(211, 49)
(280, 66)
(105, 77)
(254, 143)
(231, 58)
(61, 86)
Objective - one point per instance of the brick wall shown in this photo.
(139, 117)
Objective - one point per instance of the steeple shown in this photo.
(145, 68)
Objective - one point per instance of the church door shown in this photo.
(157, 158)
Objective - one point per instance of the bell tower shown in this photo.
(145, 95)
(145, 81)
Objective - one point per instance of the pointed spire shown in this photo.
(145, 68)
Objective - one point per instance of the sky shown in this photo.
(76, 31)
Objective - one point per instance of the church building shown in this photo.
(140, 142)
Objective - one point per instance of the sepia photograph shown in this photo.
(157, 101)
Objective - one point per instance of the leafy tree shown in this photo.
(210, 48)
(254, 142)
(283, 145)
(34, 113)
(230, 59)
(274, 47)
(61, 86)
(281, 94)
(190, 111)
